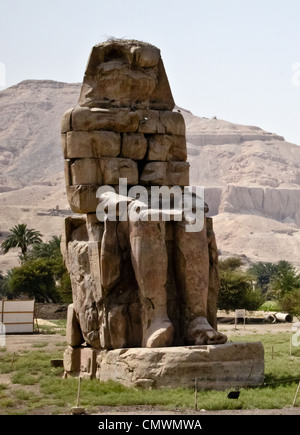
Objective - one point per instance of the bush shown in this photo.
(253, 299)
(236, 291)
(42, 275)
(270, 306)
(34, 279)
(231, 263)
(290, 302)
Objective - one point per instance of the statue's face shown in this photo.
(120, 82)
(127, 75)
(121, 75)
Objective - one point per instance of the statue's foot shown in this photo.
(159, 334)
(200, 332)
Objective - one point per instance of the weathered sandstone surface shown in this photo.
(218, 367)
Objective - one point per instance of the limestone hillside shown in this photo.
(252, 177)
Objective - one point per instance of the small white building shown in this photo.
(17, 316)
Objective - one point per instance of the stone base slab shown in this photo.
(217, 367)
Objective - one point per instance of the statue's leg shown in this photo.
(150, 263)
(192, 257)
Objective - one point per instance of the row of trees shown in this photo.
(275, 285)
(42, 274)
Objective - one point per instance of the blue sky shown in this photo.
(238, 60)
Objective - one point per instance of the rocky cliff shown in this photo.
(30, 119)
(252, 186)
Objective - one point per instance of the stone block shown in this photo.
(82, 144)
(68, 178)
(149, 122)
(72, 360)
(146, 56)
(80, 361)
(115, 168)
(134, 146)
(165, 174)
(66, 124)
(154, 173)
(88, 362)
(173, 122)
(73, 332)
(86, 171)
(82, 198)
(178, 173)
(167, 147)
(118, 120)
(218, 367)
(63, 141)
(107, 170)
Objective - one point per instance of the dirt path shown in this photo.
(150, 410)
(259, 328)
(18, 342)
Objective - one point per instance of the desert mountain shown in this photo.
(251, 177)
(30, 148)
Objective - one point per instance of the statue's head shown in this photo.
(125, 73)
(124, 127)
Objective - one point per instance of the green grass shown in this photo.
(6, 362)
(37, 388)
(58, 327)
(282, 373)
(24, 378)
(39, 345)
(61, 323)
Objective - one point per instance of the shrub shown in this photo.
(34, 279)
(236, 291)
(290, 302)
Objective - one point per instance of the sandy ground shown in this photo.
(148, 410)
(19, 342)
(260, 328)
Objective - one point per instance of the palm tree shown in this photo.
(49, 250)
(285, 281)
(21, 237)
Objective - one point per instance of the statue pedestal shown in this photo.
(216, 367)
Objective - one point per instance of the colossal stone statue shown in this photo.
(136, 282)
